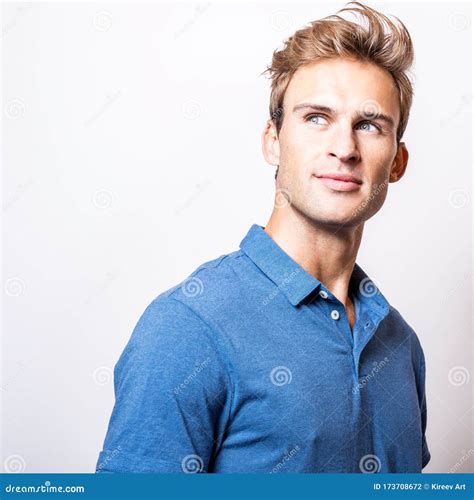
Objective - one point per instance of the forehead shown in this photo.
(344, 84)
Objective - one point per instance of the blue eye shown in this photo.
(315, 118)
(309, 118)
(370, 123)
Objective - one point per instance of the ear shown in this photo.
(399, 164)
(271, 144)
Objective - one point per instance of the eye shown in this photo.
(373, 125)
(309, 118)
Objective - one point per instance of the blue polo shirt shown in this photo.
(250, 365)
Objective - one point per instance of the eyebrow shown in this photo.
(326, 109)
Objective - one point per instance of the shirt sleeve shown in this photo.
(426, 456)
(173, 394)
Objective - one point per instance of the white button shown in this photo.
(323, 294)
(334, 314)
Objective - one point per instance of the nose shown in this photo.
(344, 146)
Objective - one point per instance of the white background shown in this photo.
(131, 154)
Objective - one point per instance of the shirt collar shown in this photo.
(287, 274)
(292, 279)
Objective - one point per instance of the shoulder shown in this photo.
(178, 326)
(169, 344)
(212, 285)
(201, 285)
(409, 336)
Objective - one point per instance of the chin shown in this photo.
(337, 220)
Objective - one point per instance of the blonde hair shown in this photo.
(334, 36)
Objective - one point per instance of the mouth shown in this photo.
(339, 182)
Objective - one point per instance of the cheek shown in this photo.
(380, 174)
(300, 153)
(379, 161)
(376, 195)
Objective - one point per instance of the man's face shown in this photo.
(347, 139)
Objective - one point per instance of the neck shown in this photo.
(327, 252)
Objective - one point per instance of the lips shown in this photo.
(340, 177)
(340, 182)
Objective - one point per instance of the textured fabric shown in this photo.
(250, 365)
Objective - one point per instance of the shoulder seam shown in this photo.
(214, 264)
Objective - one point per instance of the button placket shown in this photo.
(328, 305)
(343, 327)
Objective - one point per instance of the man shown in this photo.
(284, 356)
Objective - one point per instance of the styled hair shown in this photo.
(334, 36)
